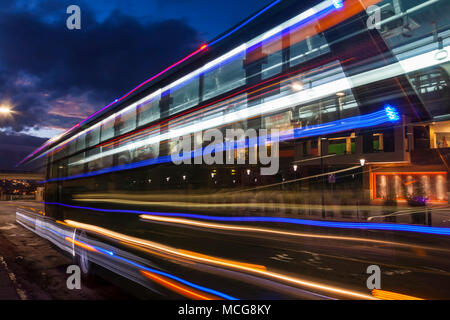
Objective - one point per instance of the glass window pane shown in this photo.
(307, 49)
(272, 49)
(93, 137)
(74, 166)
(126, 121)
(224, 78)
(184, 96)
(148, 111)
(107, 129)
(96, 163)
(80, 142)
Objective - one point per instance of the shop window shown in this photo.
(378, 142)
(341, 146)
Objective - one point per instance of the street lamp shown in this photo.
(362, 162)
(5, 110)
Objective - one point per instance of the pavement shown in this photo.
(31, 269)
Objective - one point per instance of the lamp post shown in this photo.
(323, 178)
(362, 161)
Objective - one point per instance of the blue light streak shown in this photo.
(193, 285)
(315, 223)
(244, 23)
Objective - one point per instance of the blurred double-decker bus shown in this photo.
(358, 94)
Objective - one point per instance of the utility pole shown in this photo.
(323, 178)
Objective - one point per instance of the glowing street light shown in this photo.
(362, 161)
(5, 110)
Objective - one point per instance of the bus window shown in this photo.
(148, 111)
(107, 130)
(184, 96)
(126, 121)
(224, 78)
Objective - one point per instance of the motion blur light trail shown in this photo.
(61, 235)
(329, 12)
(179, 288)
(235, 97)
(182, 286)
(388, 295)
(81, 244)
(164, 248)
(317, 223)
(275, 231)
(388, 114)
(218, 261)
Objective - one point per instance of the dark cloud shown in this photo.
(15, 147)
(53, 77)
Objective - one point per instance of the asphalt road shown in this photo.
(31, 269)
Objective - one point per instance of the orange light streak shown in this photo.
(82, 245)
(217, 261)
(388, 295)
(178, 288)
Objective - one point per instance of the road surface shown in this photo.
(31, 269)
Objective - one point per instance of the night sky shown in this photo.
(53, 77)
